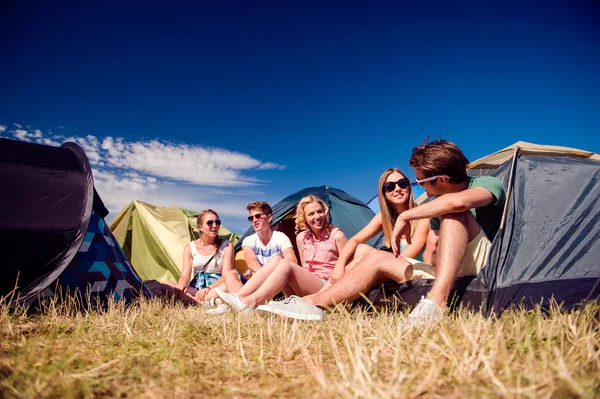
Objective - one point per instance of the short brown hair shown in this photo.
(263, 206)
(440, 157)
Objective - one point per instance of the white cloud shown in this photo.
(21, 134)
(269, 165)
(165, 174)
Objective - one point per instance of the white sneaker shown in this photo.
(426, 312)
(294, 308)
(221, 309)
(232, 300)
(213, 303)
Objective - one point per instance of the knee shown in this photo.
(286, 265)
(362, 250)
(231, 274)
(274, 261)
(461, 220)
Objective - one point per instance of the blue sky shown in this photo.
(216, 104)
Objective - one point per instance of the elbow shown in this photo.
(456, 205)
(353, 242)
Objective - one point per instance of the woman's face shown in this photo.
(314, 215)
(397, 195)
(210, 225)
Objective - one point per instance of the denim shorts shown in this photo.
(203, 280)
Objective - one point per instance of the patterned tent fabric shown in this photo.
(101, 266)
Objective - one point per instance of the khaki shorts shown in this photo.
(476, 256)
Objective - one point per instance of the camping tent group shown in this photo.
(54, 236)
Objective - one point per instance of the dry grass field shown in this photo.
(155, 349)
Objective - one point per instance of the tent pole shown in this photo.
(510, 186)
(372, 198)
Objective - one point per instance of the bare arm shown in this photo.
(300, 248)
(431, 246)
(227, 264)
(340, 240)
(250, 258)
(448, 203)
(186, 269)
(462, 201)
(364, 235)
(289, 254)
(418, 240)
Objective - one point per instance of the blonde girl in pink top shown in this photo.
(319, 245)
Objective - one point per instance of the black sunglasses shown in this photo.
(257, 216)
(211, 222)
(389, 186)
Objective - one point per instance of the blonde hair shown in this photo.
(388, 214)
(300, 218)
(199, 220)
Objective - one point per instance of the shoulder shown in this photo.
(336, 232)
(249, 241)
(378, 218)
(302, 234)
(338, 235)
(278, 236)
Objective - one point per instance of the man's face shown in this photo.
(260, 221)
(433, 187)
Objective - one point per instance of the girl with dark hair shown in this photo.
(204, 259)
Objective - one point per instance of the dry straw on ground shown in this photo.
(159, 349)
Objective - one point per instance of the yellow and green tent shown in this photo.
(153, 238)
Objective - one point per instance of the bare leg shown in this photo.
(300, 280)
(260, 276)
(361, 251)
(231, 283)
(377, 266)
(456, 231)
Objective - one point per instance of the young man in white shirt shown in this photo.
(262, 252)
(265, 244)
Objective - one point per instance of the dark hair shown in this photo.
(440, 157)
(199, 219)
(263, 206)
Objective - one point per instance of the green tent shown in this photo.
(153, 238)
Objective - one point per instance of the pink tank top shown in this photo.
(320, 254)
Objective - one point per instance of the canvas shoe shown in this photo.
(221, 309)
(213, 303)
(232, 300)
(294, 308)
(426, 312)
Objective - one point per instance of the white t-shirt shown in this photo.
(275, 246)
(199, 261)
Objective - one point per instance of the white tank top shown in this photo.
(199, 261)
